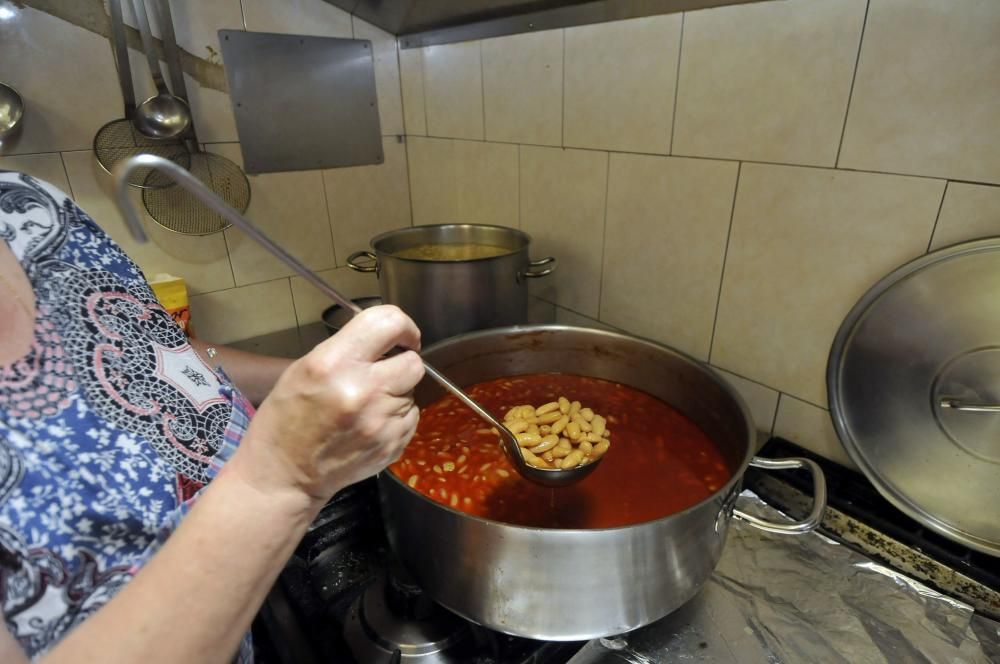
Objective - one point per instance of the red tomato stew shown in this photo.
(659, 462)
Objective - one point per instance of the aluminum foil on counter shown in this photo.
(805, 598)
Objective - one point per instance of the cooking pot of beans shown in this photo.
(625, 546)
(454, 278)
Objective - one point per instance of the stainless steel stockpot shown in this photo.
(612, 580)
(446, 298)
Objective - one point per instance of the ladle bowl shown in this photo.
(548, 477)
(11, 110)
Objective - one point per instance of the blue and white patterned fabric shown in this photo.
(108, 426)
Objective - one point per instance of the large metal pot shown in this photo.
(444, 297)
(612, 580)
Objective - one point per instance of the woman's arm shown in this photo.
(336, 416)
(255, 375)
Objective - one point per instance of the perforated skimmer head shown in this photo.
(118, 140)
(177, 210)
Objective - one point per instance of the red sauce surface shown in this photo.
(659, 463)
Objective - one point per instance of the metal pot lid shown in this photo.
(914, 385)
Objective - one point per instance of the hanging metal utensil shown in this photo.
(118, 139)
(175, 208)
(163, 115)
(11, 111)
(548, 477)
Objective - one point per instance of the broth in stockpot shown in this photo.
(659, 462)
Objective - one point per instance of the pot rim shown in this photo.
(522, 329)
(524, 237)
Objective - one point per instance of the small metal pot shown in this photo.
(446, 298)
(336, 316)
(615, 579)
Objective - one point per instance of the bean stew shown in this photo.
(660, 461)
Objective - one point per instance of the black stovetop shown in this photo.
(318, 597)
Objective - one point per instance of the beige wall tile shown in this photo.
(45, 167)
(66, 76)
(453, 90)
(761, 400)
(367, 200)
(291, 209)
(411, 72)
(562, 208)
(969, 212)
(310, 303)
(566, 317)
(390, 104)
(463, 181)
(541, 312)
(810, 427)
(298, 17)
(201, 261)
(235, 314)
(620, 81)
(925, 99)
(522, 88)
(806, 243)
(196, 24)
(667, 223)
(767, 81)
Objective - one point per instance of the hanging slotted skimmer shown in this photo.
(173, 207)
(118, 139)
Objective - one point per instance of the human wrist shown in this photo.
(256, 483)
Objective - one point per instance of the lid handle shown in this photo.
(958, 404)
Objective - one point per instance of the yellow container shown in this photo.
(172, 293)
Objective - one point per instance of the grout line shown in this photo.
(520, 198)
(850, 95)
(482, 86)
(69, 183)
(562, 113)
(604, 236)
(295, 309)
(725, 257)
(423, 91)
(677, 85)
(329, 216)
(746, 378)
(399, 71)
(409, 185)
(938, 217)
(774, 419)
(229, 257)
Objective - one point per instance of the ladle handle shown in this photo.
(121, 57)
(142, 19)
(185, 180)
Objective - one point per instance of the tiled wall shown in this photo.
(63, 65)
(728, 181)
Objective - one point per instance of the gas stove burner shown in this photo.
(394, 621)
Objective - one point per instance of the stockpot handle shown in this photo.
(354, 265)
(540, 262)
(819, 497)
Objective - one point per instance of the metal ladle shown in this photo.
(548, 477)
(162, 115)
(11, 110)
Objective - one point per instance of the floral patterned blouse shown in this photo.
(109, 425)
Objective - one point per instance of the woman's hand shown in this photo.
(338, 415)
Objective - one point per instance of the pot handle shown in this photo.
(540, 262)
(359, 267)
(819, 497)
